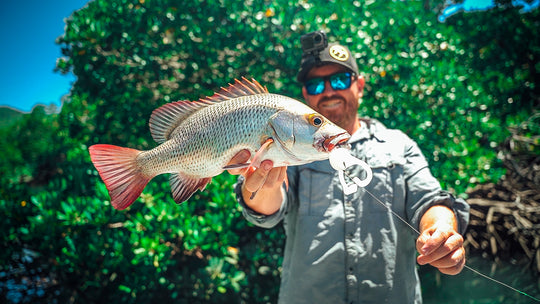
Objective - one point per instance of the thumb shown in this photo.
(422, 240)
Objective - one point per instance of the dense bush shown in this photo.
(455, 87)
(158, 250)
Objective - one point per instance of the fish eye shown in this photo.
(316, 120)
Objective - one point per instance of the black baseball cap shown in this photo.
(333, 53)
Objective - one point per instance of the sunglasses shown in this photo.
(339, 81)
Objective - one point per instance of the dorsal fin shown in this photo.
(240, 88)
(166, 118)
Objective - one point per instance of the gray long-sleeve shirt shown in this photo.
(349, 248)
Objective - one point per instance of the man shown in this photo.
(349, 248)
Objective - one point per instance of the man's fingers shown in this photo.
(444, 256)
(451, 264)
(454, 242)
(431, 239)
(276, 175)
(240, 158)
(255, 180)
(449, 260)
(453, 270)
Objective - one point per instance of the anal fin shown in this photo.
(183, 187)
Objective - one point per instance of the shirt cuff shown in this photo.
(254, 217)
(458, 206)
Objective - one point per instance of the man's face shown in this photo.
(340, 106)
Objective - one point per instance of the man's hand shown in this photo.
(240, 158)
(265, 181)
(439, 244)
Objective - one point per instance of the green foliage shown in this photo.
(26, 152)
(448, 85)
(455, 87)
(9, 116)
(156, 250)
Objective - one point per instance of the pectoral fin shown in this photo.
(257, 158)
(237, 166)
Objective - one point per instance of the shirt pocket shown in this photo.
(386, 186)
(315, 186)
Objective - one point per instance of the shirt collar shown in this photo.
(362, 132)
(368, 128)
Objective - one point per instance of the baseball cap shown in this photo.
(332, 53)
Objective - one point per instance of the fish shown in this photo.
(197, 140)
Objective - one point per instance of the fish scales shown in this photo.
(210, 133)
(198, 139)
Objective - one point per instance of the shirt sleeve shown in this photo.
(258, 219)
(424, 191)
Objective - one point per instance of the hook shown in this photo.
(340, 160)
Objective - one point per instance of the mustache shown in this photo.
(332, 97)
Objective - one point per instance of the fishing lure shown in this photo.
(341, 159)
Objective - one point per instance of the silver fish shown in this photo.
(198, 139)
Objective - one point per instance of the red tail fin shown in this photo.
(118, 168)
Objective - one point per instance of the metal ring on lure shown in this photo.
(340, 160)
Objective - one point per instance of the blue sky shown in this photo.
(28, 29)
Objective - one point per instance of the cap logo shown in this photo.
(338, 52)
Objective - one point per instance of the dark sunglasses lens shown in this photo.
(340, 81)
(315, 86)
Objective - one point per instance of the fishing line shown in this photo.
(356, 181)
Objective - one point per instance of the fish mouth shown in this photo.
(328, 144)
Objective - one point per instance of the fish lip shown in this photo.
(329, 143)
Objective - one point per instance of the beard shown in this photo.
(344, 116)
